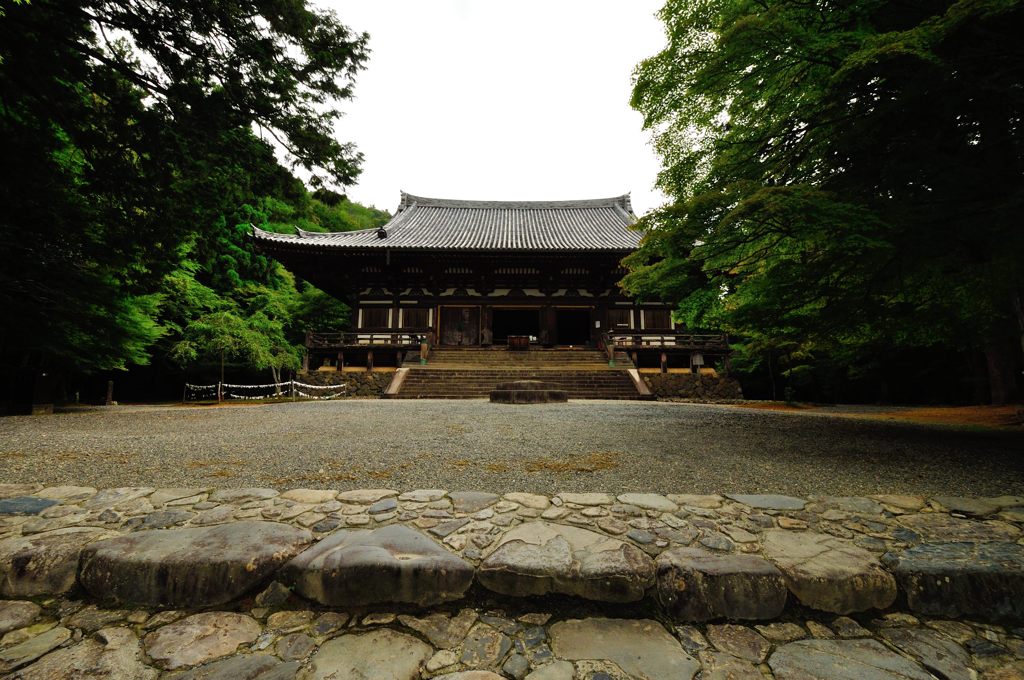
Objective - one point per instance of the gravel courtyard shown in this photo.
(579, 446)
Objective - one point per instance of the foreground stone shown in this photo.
(24, 505)
(44, 563)
(112, 654)
(829, 573)
(28, 651)
(380, 655)
(248, 667)
(641, 648)
(200, 638)
(697, 585)
(769, 501)
(936, 652)
(538, 558)
(954, 579)
(395, 564)
(194, 567)
(842, 660)
(15, 614)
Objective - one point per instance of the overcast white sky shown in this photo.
(495, 99)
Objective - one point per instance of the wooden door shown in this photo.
(460, 325)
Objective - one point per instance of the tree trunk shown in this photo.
(275, 374)
(222, 366)
(1002, 358)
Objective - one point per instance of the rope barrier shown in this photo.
(244, 392)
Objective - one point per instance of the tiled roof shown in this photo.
(440, 224)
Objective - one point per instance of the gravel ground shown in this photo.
(579, 446)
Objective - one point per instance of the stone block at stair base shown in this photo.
(394, 564)
(192, 567)
(528, 392)
(538, 558)
(962, 579)
(45, 563)
(696, 585)
(829, 573)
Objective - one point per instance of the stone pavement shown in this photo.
(376, 583)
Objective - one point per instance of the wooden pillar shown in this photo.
(549, 325)
(369, 360)
(341, 360)
(664, 363)
(486, 325)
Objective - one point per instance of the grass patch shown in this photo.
(591, 462)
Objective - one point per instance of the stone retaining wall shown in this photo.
(693, 387)
(360, 383)
(697, 558)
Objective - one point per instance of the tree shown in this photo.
(845, 179)
(132, 129)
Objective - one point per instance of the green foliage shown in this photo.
(844, 179)
(141, 140)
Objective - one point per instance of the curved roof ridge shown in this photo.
(622, 201)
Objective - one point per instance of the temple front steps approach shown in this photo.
(471, 373)
(309, 582)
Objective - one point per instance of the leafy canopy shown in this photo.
(843, 177)
(140, 140)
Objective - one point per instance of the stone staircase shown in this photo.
(471, 373)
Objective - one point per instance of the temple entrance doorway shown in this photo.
(573, 326)
(460, 325)
(507, 321)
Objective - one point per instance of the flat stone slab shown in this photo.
(112, 654)
(829, 573)
(768, 501)
(537, 558)
(957, 579)
(247, 667)
(365, 496)
(648, 501)
(394, 564)
(640, 647)
(380, 655)
(472, 501)
(936, 652)
(25, 505)
(697, 585)
(200, 638)
(842, 660)
(943, 528)
(28, 651)
(197, 566)
(17, 614)
(974, 507)
(44, 563)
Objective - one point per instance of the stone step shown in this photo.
(695, 558)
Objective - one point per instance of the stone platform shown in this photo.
(305, 581)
